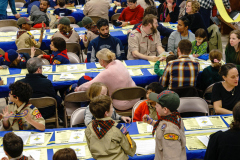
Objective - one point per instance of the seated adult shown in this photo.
(146, 3)
(227, 93)
(183, 71)
(168, 11)
(181, 33)
(115, 76)
(225, 145)
(41, 86)
(232, 51)
(44, 5)
(104, 40)
(123, 5)
(3, 9)
(161, 29)
(133, 14)
(192, 8)
(66, 31)
(144, 42)
(97, 8)
(31, 3)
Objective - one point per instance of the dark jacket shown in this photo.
(173, 15)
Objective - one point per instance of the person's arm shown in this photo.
(120, 18)
(157, 70)
(6, 116)
(138, 18)
(36, 121)
(164, 30)
(138, 113)
(85, 10)
(218, 108)
(138, 55)
(202, 49)
(13, 8)
(174, 14)
(87, 116)
(124, 143)
(171, 41)
(42, 31)
(160, 49)
(165, 77)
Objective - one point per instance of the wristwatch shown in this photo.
(128, 23)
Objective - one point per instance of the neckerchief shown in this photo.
(18, 118)
(68, 34)
(175, 118)
(138, 29)
(23, 158)
(63, 54)
(94, 29)
(20, 33)
(102, 127)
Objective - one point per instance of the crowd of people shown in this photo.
(148, 40)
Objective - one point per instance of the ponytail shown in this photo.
(215, 57)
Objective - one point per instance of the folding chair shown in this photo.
(8, 22)
(129, 93)
(71, 103)
(73, 58)
(2, 52)
(135, 107)
(75, 48)
(19, 4)
(8, 29)
(77, 116)
(72, 19)
(44, 102)
(115, 17)
(193, 106)
(28, 50)
(209, 102)
(95, 18)
(23, 1)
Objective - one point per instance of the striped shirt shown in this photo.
(180, 72)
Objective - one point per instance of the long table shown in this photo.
(133, 130)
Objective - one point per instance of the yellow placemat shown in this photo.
(144, 128)
(151, 71)
(75, 77)
(43, 153)
(228, 119)
(66, 68)
(135, 72)
(4, 79)
(64, 135)
(124, 31)
(24, 71)
(4, 71)
(18, 78)
(47, 138)
(24, 10)
(112, 4)
(98, 65)
(47, 69)
(128, 26)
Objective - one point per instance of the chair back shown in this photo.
(187, 91)
(23, 1)
(8, 29)
(95, 18)
(77, 116)
(115, 17)
(71, 103)
(193, 104)
(74, 26)
(44, 102)
(19, 4)
(2, 51)
(72, 19)
(208, 90)
(73, 58)
(135, 107)
(8, 22)
(129, 93)
(28, 50)
(75, 48)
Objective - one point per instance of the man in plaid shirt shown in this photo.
(206, 7)
(182, 71)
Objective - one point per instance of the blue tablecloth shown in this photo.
(132, 130)
(143, 80)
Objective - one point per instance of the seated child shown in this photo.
(62, 11)
(24, 38)
(159, 71)
(13, 147)
(123, 6)
(148, 106)
(19, 114)
(92, 31)
(38, 17)
(95, 90)
(107, 139)
(65, 154)
(59, 52)
(14, 60)
(199, 46)
(170, 137)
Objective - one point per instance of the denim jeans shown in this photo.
(3, 16)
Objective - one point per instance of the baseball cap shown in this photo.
(64, 21)
(10, 55)
(23, 20)
(167, 98)
(86, 20)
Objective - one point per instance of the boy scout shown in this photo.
(170, 137)
(106, 139)
(20, 115)
(144, 42)
(24, 38)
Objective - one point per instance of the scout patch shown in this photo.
(85, 37)
(35, 112)
(56, 62)
(171, 136)
(164, 126)
(124, 130)
(38, 115)
(132, 35)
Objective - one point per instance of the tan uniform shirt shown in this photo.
(88, 37)
(33, 111)
(140, 42)
(26, 40)
(74, 38)
(114, 144)
(52, 20)
(170, 142)
(97, 8)
(143, 4)
(29, 158)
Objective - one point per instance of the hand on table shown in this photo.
(162, 58)
(195, 55)
(126, 119)
(124, 24)
(153, 58)
(17, 15)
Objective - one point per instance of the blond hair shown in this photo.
(215, 54)
(95, 90)
(195, 5)
(106, 55)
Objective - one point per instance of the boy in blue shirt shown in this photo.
(62, 11)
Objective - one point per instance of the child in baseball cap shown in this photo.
(170, 137)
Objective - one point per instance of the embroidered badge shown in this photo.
(132, 35)
(56, 62)
(171, 136)
(124, 130)
(38, 115)
(164, 126)
(35, 112)
(85, 37)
